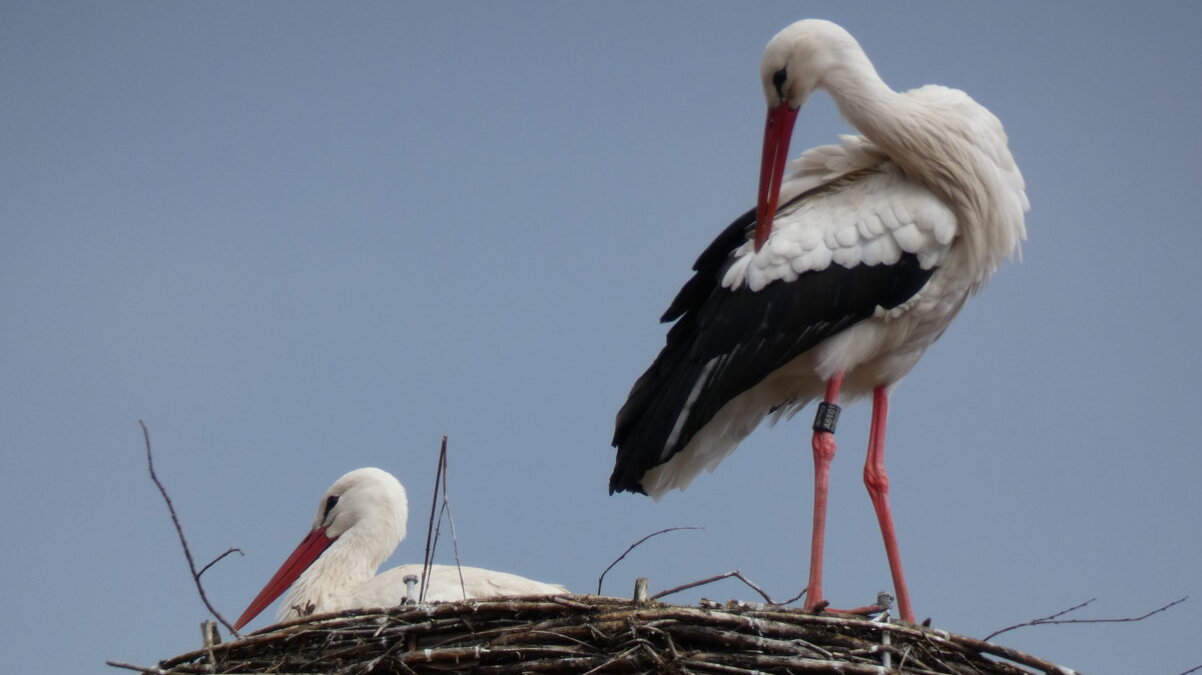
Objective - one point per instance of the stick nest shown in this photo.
(593, 634)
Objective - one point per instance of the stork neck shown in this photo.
(942, 139)
(348, 563)
(882, 115)
(859, 92)
(891, 120)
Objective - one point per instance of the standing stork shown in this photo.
(875, 246)
(360, 520)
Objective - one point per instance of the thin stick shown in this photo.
(797, 597)
(630, 548)
(214, 561)
(140, 669)
(180, 531)
(733, 573)
(1052, 618)
(429, 558)
(446, 506)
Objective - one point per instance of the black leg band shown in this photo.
(826, 417)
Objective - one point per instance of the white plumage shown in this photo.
(360, 521)
(869, 219)
(877, 243)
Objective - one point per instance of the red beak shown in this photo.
(778, 129)
(298, 562)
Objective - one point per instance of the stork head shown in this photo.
(796, 62)
(366, 509)
(370, 500)
(798, 58)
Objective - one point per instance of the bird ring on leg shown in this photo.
(826, 417)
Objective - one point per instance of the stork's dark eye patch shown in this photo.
(778, 80)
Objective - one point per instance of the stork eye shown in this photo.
(778, 80)
(330, 502)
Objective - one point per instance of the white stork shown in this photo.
(360, 520)
(876, 244)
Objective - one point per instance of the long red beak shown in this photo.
(304, 555)
(778, 129)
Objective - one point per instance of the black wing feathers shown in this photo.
(709, 265)
(734, 339)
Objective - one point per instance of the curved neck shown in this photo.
(348, 563)
(882, 115)
(944, 140)
(863, 98)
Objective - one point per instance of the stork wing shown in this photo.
(838, 252)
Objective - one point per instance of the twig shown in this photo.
(214, 561)
(140, 669)
(1193, 670)
(630, 548)
(1052, 618)
(733, 573)
(795, 598)
(180, 531)
(1040, 620)
(435, 527)
(429, 557)
(446, 506)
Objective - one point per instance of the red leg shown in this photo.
(877, 482)
(824, 452)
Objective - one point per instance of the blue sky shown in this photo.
(301, 238)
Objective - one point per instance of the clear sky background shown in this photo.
(301, 238)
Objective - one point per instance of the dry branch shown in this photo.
(428, 559)
(434, 527)
(726, 575)
(179, 529)
(1055, 618)
(130, 666)
(635, 545)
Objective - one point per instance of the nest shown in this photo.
(593, 634)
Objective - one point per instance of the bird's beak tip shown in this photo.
(302, 557)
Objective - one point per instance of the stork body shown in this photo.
(834, 286)
(360, 521)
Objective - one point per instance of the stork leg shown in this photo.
(877, 482)
(824, 452)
